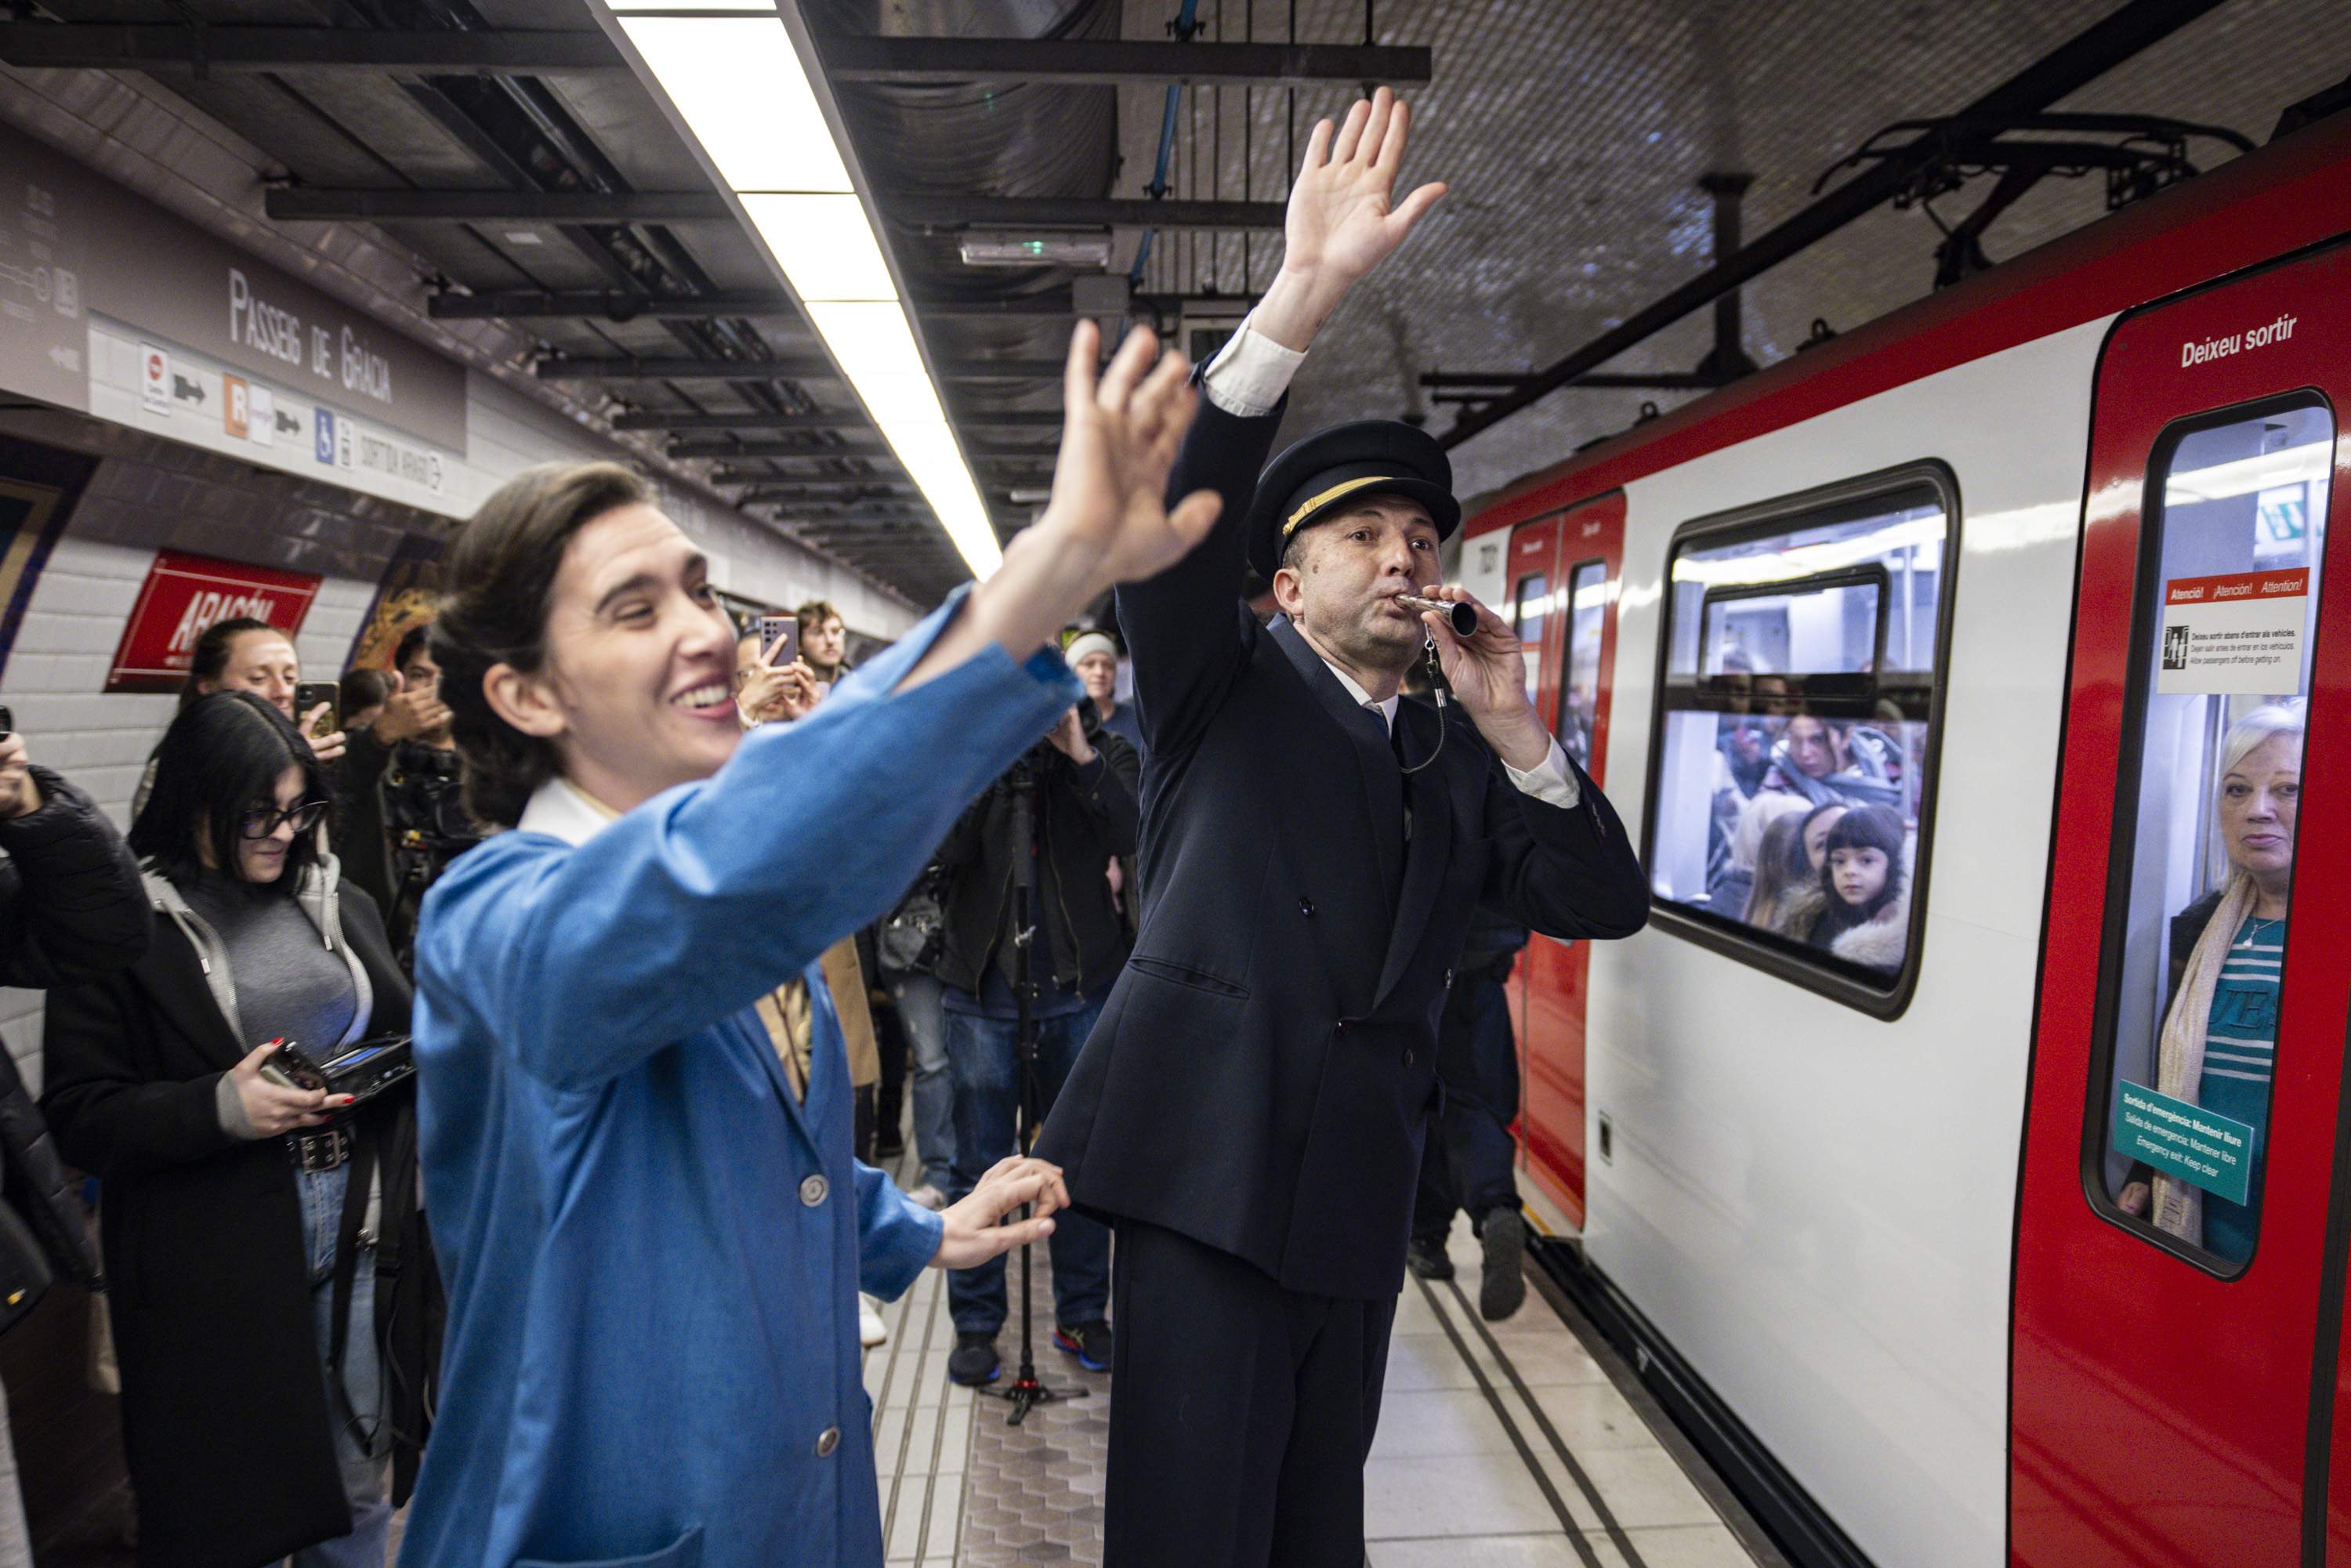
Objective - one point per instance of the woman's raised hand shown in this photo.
(1119, 433)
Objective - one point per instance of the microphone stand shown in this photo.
(1026, 1391)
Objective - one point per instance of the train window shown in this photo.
(2205, 835)
(1587, 604)
(1802, 658)
(1529, 600)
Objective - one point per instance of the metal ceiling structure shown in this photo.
(1601, 156)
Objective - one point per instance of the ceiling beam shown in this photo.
(656, 418)
(949, 211)
(524, 304)
(868, 451)
(438, 52)
(559, 368)
(304, 205)
(858, 59)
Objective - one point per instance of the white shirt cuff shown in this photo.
(1549, 781)
(1250, 373)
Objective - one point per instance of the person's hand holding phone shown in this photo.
(769, 691)
(274, 1108)
(328, 748)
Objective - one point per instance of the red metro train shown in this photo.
(1964, 1152)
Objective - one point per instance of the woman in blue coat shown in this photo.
(651, 1236)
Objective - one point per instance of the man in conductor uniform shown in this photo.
(1250, 1107)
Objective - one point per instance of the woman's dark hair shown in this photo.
(504, 562)
(220, 759)
(213, 645)
(363, 689)
(1875, 828)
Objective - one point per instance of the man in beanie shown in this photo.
(1094, 657)
(1250, 1109)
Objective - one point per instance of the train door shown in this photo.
(1563, 578)
(2187, 1056)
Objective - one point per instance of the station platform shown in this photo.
(1522, 1444)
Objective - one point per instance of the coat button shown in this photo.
(1449, 980)
(813, 1191)
(1306, 906)
(1407, 1058)
(827, 1441)
(1340, 1028)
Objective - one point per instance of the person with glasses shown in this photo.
(244, 1219)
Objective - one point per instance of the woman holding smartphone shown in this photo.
(244, 1217)
(653, 1231)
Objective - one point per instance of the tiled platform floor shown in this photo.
(1500, 1446)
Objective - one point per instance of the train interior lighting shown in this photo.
(740, 87)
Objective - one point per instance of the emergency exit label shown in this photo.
(2182, 1140)
(2240, 635)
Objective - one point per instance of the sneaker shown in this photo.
(871, 1330)
(929, 1197)
(973, 1362)
(1502, 1285)
(1089, 1342)
(1428, 1259)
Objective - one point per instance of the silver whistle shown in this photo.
(1463, 617)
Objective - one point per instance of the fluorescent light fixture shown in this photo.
(739, 85)
(870, 338)
(2287, 465)
(931, 459)
(825, 245)
(1808, 561)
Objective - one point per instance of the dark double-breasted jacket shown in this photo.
(1261, 1075)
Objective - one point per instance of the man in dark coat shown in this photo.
(1250, 1108)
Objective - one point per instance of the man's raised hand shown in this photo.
(1343, 219)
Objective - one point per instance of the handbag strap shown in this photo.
(347, 1263)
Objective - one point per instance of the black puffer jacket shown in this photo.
(72, 909)
(1086, 816)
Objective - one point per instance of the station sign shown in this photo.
(183, 595)
(74, 245)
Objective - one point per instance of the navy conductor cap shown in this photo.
(1318, 478)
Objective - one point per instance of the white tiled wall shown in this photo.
(151, 494)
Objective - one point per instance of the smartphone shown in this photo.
(309, 694)
(9, 722)
(780, 633)
(289, 1069)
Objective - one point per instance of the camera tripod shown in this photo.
(1026, 1391)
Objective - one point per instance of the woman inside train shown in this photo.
(1785, 896)
(1864, 916)
(2219, 1029)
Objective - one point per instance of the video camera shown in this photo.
(1025, 773)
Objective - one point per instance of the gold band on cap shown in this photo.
(1314, 502)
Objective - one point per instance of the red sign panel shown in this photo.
(185, 594)
(2238, 585)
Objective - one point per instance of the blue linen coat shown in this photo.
(652, 1250)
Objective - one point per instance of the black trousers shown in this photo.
(1467, 1158)
(1241, 1413)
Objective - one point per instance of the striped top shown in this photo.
(2239, 1058)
